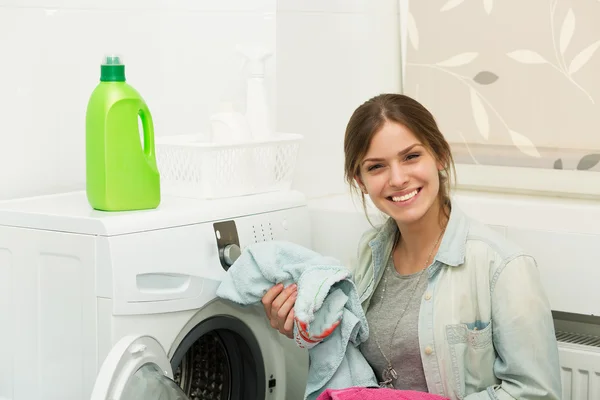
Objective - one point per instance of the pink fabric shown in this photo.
(361, 393)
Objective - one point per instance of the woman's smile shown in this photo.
(405, 199)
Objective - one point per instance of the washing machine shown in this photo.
(103, 303)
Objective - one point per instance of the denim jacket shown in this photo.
(485, 325)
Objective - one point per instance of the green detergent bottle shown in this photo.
(121, 171)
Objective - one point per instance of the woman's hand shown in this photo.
(279, 307)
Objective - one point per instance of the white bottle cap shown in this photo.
(256, 56)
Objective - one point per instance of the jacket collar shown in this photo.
(454, 243)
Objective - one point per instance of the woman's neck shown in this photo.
(419, 241)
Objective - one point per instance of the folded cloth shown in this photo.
(361, 393)
(329, 319)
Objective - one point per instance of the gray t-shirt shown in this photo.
(383, 316)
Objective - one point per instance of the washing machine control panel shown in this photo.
(291, 225)
(234, 235)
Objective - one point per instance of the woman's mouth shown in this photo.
(404, 199)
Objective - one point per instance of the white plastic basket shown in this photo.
(190, 167)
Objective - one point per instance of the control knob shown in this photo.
(229, 254)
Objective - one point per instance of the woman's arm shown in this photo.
(523, 335)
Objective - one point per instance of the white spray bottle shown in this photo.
(257, 105)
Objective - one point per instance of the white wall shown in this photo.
(331, 56)
(179, 54)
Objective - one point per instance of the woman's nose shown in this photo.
(398, 177)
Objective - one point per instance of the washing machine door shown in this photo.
(137, 368)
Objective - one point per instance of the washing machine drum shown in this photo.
(204, 370)
(138, 368)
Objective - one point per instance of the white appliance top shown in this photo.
(71, 212)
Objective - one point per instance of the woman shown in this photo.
(453, 308)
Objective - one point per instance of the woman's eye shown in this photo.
(373, 167)
(412, 156)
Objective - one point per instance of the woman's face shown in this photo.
(400, 174)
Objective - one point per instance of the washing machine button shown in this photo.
(230, 253)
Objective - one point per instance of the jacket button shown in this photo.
(428, 350)
(428, 296)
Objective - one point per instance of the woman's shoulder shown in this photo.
(491, 244)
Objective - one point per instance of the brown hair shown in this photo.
(370, 117)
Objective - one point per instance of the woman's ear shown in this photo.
(441, 165)
(360, 184)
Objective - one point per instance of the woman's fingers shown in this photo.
(279, 302)
(268, 299)
(288, 327)
(286, 307)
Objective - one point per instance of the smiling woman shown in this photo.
(442, 293)
(398, 180)
(396, 154)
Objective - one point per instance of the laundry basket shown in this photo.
(191, 167)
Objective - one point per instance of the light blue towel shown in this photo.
(326, 296)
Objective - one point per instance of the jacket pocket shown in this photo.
(473, 355)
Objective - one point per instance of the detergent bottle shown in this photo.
(121, 170)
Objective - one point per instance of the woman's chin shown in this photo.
(405, 215)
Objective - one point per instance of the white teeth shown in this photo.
(406, 196)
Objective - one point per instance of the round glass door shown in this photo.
(137, 368)
(150, 383)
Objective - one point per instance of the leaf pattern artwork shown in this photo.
(589, 161)
(458, 60)
(477, 100)
(582, 58)
(450, 4)
(566, 32)
(485, 78)
(527, 57)
(564, 44)
(524, 144)
(558, 164)
(488, 5)
(480, 115)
